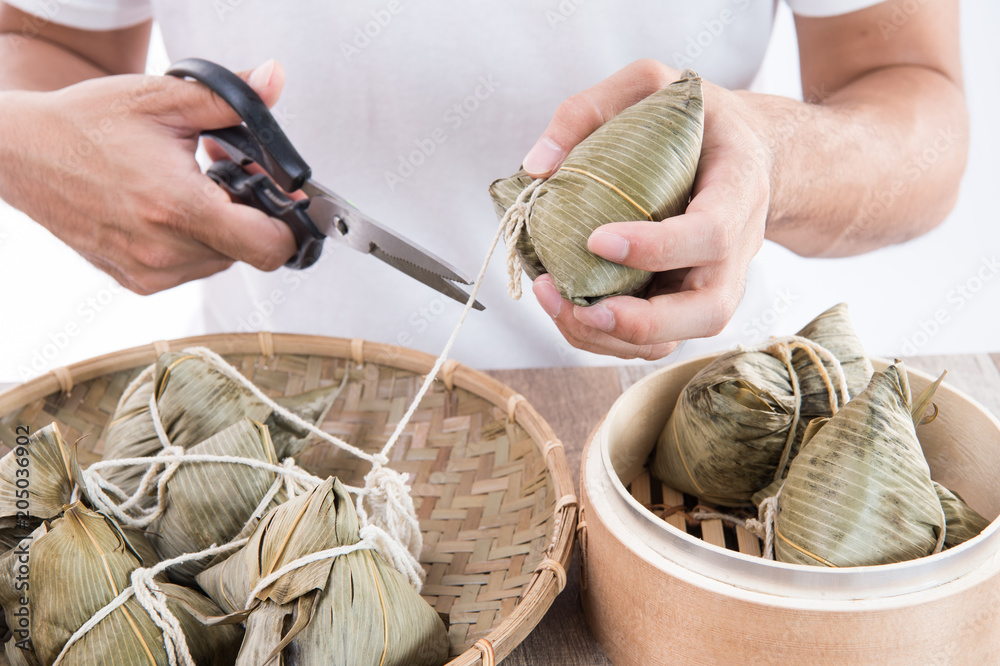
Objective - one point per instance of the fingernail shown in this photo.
(596, 316)
(543, 156)
(260, 78)
(610, 246)
(548, 297)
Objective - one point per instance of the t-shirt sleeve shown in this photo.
(828, 7)
(88, 14)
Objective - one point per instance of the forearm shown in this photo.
(40, 65)
(877, 162)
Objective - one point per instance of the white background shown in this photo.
(56, 309)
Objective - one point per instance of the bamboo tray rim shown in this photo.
(755, 574)
(549, 578)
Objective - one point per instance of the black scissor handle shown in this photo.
(260, 139)
(259, 191)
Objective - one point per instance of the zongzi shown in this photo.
(349, 610)
(859, 492)
(210, 503)
(741, 419)
(35, 484)
(640, 165)
(195, 401)
(76, 565)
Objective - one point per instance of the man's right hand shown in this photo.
(107, 165)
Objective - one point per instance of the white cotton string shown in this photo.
(292, 487)
(151, 598)
(266, 500)
(513, 222)
(395, 513)
(174, 458)
(764, 525)
(395, 555)
(134, 385)
(161, 433)
(318, 556)
(229, 371)
(177, 647)
(297, 472)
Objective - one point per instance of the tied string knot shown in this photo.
(818, 355)
(394, 516)
(154, 602)
(395, 555)
(513, 223)
(763, 526)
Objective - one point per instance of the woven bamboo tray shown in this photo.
(491, 485)
(659, 591)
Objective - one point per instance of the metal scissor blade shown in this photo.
(432, 280)
(337, 218)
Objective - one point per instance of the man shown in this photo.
(411, 111)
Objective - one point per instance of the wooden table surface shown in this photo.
(573, 400)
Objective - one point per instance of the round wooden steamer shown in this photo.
(490, 480)
(656, 595)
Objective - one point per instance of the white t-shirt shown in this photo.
(410, 110)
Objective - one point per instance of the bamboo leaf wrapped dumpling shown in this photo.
(963, 521)
(195, 401)
(350, 610)
(35, 484)
(210, 503)
(640, 165)
(741, 418)
(76, 565)
(860, 492)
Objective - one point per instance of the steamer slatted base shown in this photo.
(490, 482)
(652, 494)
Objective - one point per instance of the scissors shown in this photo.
(323, 214)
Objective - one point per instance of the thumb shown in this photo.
(578, 116)
(190, 105)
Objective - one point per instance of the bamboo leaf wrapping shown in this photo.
(962, 520)
(76, 566)
(350, 610)
(45, 483)
(860, 491)
(210, 503)
(725, 437)
(196, 401)
(639, 165)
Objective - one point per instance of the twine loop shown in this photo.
(514, 220)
